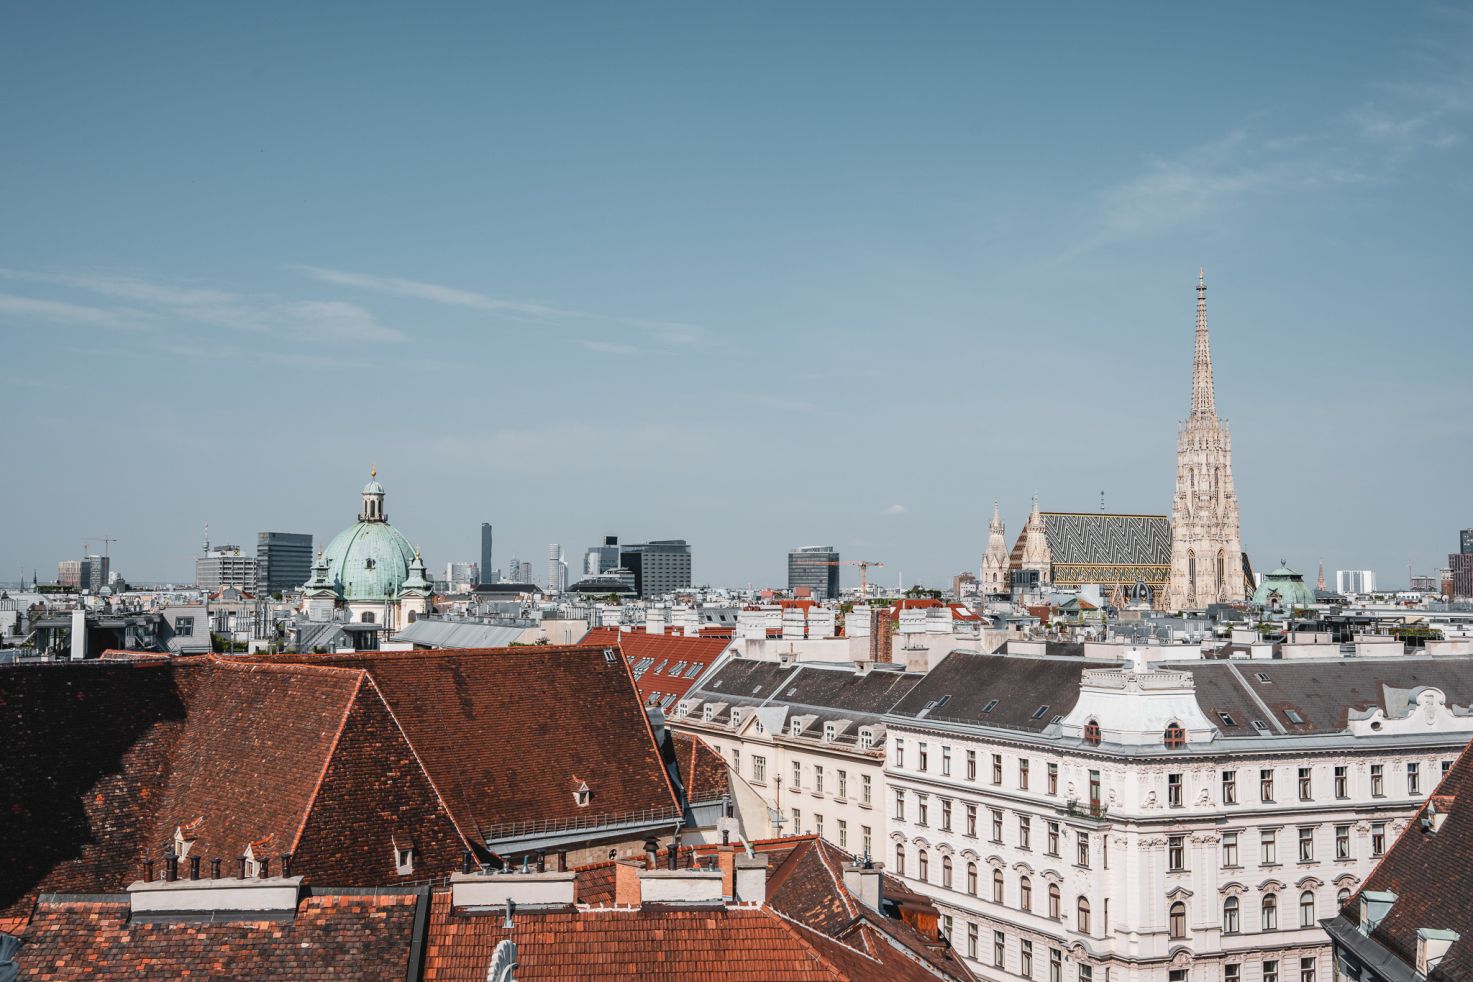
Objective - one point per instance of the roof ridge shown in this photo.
(236, 664)
(792, 925)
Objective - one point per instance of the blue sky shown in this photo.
(756, 275)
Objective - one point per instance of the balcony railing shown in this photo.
(580, 823)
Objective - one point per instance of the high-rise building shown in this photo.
(283, 560)
(660, 566)
(1465, 541)
(524, 573)
(1206, 545)
(601, 559)
(557, 569)
(1348, 581)
(1460, 575)
(485, 567)
(814, 567)
(98, 570)
(225, 566)
(462, 576)
(72, 573)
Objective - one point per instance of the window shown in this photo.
(797, 775)
(946, 814)
(404, 861)
(1306, 970)
(843, 784)
(1053, 779)
(1270, 913)
(1414, 777)
(899, 752)
(736, 760)
(946, 927)
(1342, 782)
(997, 768)
(1173, 790)
(923, 866)
(921, 802)
(1306, 784)
(1176, 853)
(1232, 972)
(1378, 838)
(971, 765)
(1086, 973)
(1177, 920)
(1081, 915)
(1268, 843)
(996, 825)
(1271, 971)
(1174, 737)
(1092, 733)
(1378, 781)
(184, 625)
(864, 840)
(1447, 765)
(797, 822)
(1306, 843)
(1342, 842)
(972, 940)
(900, 804)
(1053, 838)
(972, 878)
(946, 762)
(1266, 785)
(1023, 773)
(1306, 909)
(1083, 841)
(830, 731)
(1342, 897)
(1025, 959)
(999, 948)
(1055, 965)
(759, 768)
(1230, 923)
(843, 834)
(818, 779)
(972, 820)
(1025, 894)
(866, 790)
(817, 824)
(991, 705)
(1294, 717)
(866, 738)
(922, 758)
(1230, 849)
(899, 859)
(1025, 832)
(1229, 787)
(946, 872)
(1053, 902)
(997, 886)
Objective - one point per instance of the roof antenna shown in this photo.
(1102, 501)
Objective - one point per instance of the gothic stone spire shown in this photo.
(1203, 404)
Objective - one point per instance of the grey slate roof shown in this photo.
(965, 684)
(458, 634)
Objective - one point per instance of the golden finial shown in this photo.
(373, 471)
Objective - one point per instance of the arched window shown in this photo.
(1081, 915)
(1221, 569)
(1230, 916)
(1178, 920)
(1025, 894)
(1192, 572)
(1092, 732)
(923, 866)
(972, 878)
(1175, 736)
(899, 859)
(367, 617)
(1053, 901)
(997, 886)
(1306, 909)
(1270, 920)
(1343, 897)
(946, 872)
(413, 616)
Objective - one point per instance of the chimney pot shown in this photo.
(465, 862)
(286, 864)
(242, 867)
(541, 861)
(265, 867)
(194, 867)
(171, 865)
(214, 869)
(148, 870)
(672, 854)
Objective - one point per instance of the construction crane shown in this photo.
(864, 567)
(106, 541)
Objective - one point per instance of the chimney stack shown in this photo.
(865, 882)
(651, 853)
(750, 879)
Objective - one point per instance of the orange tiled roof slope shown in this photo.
(331, 937)
(508, 734)
(702, 769)
(674, 656)
(105, 760)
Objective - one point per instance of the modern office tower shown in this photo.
(1465, 541)
(485, 568)
(524, 573)
(601, 559)
(1348, 581)
(283, 561)
(557, 569)
(461, 577)
(817, 568)
(72, 573)
(1459, 577)
(98, 568)
(660, 566)
(225, 566)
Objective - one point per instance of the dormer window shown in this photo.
(1432, 946)
(403, 859)
(795, 728)
(1175, 737)
(582, 796)
(709, 713)
(368, 563)
(1092, 733)
(866, 738)
(830, 731)
(736, 718)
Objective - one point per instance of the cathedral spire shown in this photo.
(1204, 406)
(996, 524)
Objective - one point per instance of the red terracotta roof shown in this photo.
(674, 657)
(506, 734)
(703, 770)
(331, 937)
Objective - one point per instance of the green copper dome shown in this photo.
(369, 561)
(1283, 589)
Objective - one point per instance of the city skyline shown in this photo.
(841, 226)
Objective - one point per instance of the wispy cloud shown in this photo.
(670, 332)
(896, 509)
(13, 307)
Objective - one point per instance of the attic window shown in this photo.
(608, 654)
(991, 705)
(1227, 719)
(830, 730)
(582, 796)
(677, 669)
(709, 713)
(942, 701)
(1175, 736)
(1260, 726)
(1264, 679)
(1038, 713)
(1294, 717)
(866, 738)
(404, 860)
(795, 728)
(661, 667)
(1092, 733)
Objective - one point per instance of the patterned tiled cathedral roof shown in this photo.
(1100, 539)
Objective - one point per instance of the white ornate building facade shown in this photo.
(1187, 823)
